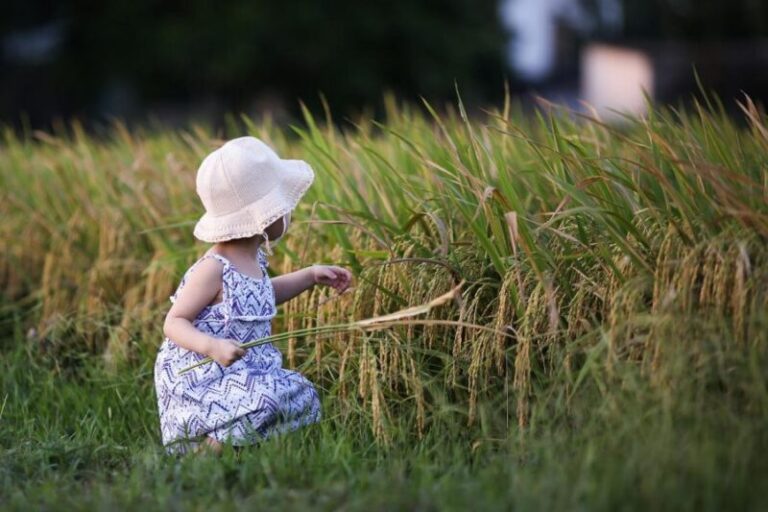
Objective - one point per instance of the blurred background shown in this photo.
(182, 61)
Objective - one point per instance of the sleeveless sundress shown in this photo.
(245, 402)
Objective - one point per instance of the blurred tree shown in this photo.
(237, 50)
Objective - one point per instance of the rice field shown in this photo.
(606, 346)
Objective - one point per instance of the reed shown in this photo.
(378, 322)
(569, 235)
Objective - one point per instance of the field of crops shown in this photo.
(608, 348)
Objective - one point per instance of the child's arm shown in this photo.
(287, 286)
(201, 289)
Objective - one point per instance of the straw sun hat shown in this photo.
(245, 187)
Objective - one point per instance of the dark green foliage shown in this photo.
(239, 50)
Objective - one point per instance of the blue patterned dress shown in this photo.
(249, 400)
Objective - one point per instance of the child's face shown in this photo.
(277, 229)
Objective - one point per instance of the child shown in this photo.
(226, 298)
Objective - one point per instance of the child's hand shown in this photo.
(225, 352)
(331, 275)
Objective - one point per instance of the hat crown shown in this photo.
(245, 187)
(239, 173)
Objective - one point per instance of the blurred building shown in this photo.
(613, 53)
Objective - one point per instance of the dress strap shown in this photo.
(262, 259)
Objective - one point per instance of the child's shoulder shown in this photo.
(205, 273)
(213, 264)
(208, 266)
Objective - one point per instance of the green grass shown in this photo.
(628, 263)
(87, 439)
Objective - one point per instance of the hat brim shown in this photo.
(295, 178)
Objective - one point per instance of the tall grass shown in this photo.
(598, 248)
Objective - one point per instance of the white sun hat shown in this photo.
(245, 187)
